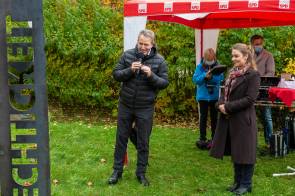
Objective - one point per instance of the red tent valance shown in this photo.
(206, 14)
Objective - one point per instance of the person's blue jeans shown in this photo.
(267, 123)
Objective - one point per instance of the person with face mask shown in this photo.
(207, 95)
(266, 67)
(142, 72)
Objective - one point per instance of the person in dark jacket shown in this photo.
(236, 131)
(143, 72)
(207, 95)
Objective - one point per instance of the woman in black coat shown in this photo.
(236, 132)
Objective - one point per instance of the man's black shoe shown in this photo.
(242, 190)
(233, 187)
(115, 177)
(142, 180)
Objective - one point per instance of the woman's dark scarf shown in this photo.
(234, 73)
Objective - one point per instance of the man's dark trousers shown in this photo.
(143, 118)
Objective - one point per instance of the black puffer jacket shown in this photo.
(137, 90)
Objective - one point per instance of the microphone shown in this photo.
(138, 71)
(140, 57)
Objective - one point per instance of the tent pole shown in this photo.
(201, 49)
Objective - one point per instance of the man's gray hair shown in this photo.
(148, 33)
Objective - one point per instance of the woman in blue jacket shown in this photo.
(207, 95)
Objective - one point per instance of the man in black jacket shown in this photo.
(143, 72)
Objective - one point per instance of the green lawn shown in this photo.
(177, 167)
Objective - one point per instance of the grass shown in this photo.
(176, 166)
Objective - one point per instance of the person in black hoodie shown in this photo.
(142, 72)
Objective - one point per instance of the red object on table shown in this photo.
(286, 95)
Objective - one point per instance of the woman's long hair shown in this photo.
(246, 51)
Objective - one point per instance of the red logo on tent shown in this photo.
(223, 4)
(142, 8)
(195, 6)
(284, 4)
(253, 4)
(168, 7)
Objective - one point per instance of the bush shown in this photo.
(83, 43)
(290, 67)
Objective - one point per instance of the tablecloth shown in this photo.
(286, 95)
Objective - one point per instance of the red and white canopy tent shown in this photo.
(207, 15)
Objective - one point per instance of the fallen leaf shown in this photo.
(103, 160)
(200, 190)
(89, 183)
(55, 181)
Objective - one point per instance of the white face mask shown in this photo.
(209, 62)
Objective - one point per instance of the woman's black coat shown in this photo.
(239, 126)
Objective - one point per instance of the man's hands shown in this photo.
(137, 66)
(147, 70)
